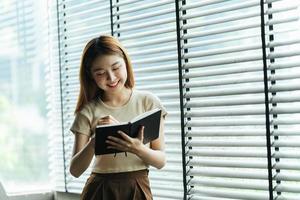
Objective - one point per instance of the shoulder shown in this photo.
(150, 101)
(88, 109)
(84, 119)
(146, 96)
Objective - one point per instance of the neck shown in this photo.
(117, 99)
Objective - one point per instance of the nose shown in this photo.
(111, 76)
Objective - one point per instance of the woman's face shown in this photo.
(109, 73)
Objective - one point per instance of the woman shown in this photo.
(107, 96)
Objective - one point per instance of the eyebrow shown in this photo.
(99, 68)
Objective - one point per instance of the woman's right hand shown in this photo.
(107, 120)
(104, 121)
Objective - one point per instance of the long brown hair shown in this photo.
(103, 45)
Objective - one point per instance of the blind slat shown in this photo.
(244, 153)
(228, 184)
(238, 28)
(212, 172)
(231, 194)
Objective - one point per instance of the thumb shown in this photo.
(141, 133)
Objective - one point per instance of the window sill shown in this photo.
(23, 196)
(66, 196)
(48, 195)
(36, 196)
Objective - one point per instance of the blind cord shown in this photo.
(181, 100)
(111, 19)
(61, 92)
(266, 91)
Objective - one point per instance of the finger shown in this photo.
(103, 123)
(117, 140)
(141, 133)
(114, 145)
(118, 144)
(124, 136)
(105, 120)
(108, 119)
(113, 119)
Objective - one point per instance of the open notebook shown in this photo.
(150, 120)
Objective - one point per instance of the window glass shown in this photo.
(23, 128)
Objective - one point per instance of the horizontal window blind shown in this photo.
(223, 93)
(224, 99)
(148, 30)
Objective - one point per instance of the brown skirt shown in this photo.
(118, 186)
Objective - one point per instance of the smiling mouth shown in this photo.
(113, 85)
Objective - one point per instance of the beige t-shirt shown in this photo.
(86, 121)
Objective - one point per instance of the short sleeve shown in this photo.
(153, 102)
(81, 125)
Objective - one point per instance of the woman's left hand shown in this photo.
(126, 143)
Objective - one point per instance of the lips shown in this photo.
(113, 85)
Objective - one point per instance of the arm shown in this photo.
(84, 149)
(154, 156)
(83, 152)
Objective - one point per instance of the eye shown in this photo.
(116, 68)
(100, 73)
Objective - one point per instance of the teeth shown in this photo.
(112, 85)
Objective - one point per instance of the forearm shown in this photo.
(81, 161)
(155, 158)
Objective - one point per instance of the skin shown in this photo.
(110, 74)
